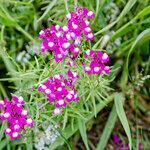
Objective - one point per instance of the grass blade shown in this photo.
(131, 24)
(126, 9)
(119, 98)
(3, 143)
(82, 129)
(108, 129)
(142, 38)
(49, 7)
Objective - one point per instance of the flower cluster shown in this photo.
(64, 41)
(16, 116)
(60, 90)
(97, 64)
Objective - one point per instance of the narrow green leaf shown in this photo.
(108, 129)
(114, 71)
(142, 38)
(19, 28)
(94, 104)
(144, 12)
(3, 91)
(130, 25)
(66, 5)
(106, 28)
(29, 144)
(3, 143)
(97, 7)
(49, 7)
(5, 57)
(126, 9)
(119, 100)
(82, 129)
(2, 129)
(65, 119)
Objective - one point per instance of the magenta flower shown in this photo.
(116, 139)
(60, 90)
(98, 62)
(64, 41)
(16, 116)
(124, 147)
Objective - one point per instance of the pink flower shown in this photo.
(63, 41)
(16, 116)
(98, 62)
(60, 90)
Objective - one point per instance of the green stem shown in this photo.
(66, 5)
(19, 28)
